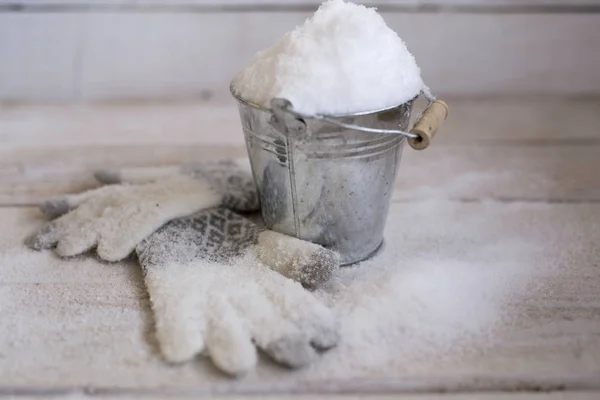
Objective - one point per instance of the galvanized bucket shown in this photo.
(328, 180)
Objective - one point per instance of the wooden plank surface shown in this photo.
(80, 327)
(111, 68)
(170, 54)
(39, 56)
(499, 149)
(402, 5)
(559, 174)
(562, 395)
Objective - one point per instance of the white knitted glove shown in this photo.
(115, 218)
(212, 292)
(212, 276)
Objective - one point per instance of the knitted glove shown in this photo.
(208, 274)
(116, 218)
(212, 292)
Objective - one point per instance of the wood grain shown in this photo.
(533, 155)
(562, 395)
(507, 54)
(429, 5)
(80, 325)
(40, 56)
(179, 54)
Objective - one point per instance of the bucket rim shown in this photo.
(251, 104)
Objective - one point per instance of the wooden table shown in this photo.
(84, 328)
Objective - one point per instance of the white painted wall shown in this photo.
(97, 50)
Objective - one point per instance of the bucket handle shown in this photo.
(419, 137)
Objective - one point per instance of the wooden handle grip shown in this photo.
(429, 123)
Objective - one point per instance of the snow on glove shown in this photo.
(212, 292)
(115, 218)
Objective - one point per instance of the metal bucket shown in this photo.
(321, 182)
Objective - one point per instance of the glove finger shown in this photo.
(126, 226)
(233, 182)
(303, 261)
(45, 238)
(326, 335)
(135, 175)
(148, 207)
(119, 242)
(124, 231)
(228, 340)
(176, 294)
(70, 224)
(303, 309)
(77, 241)
(291, 351)
(276, 336)
(58, 206)
(79, 228)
